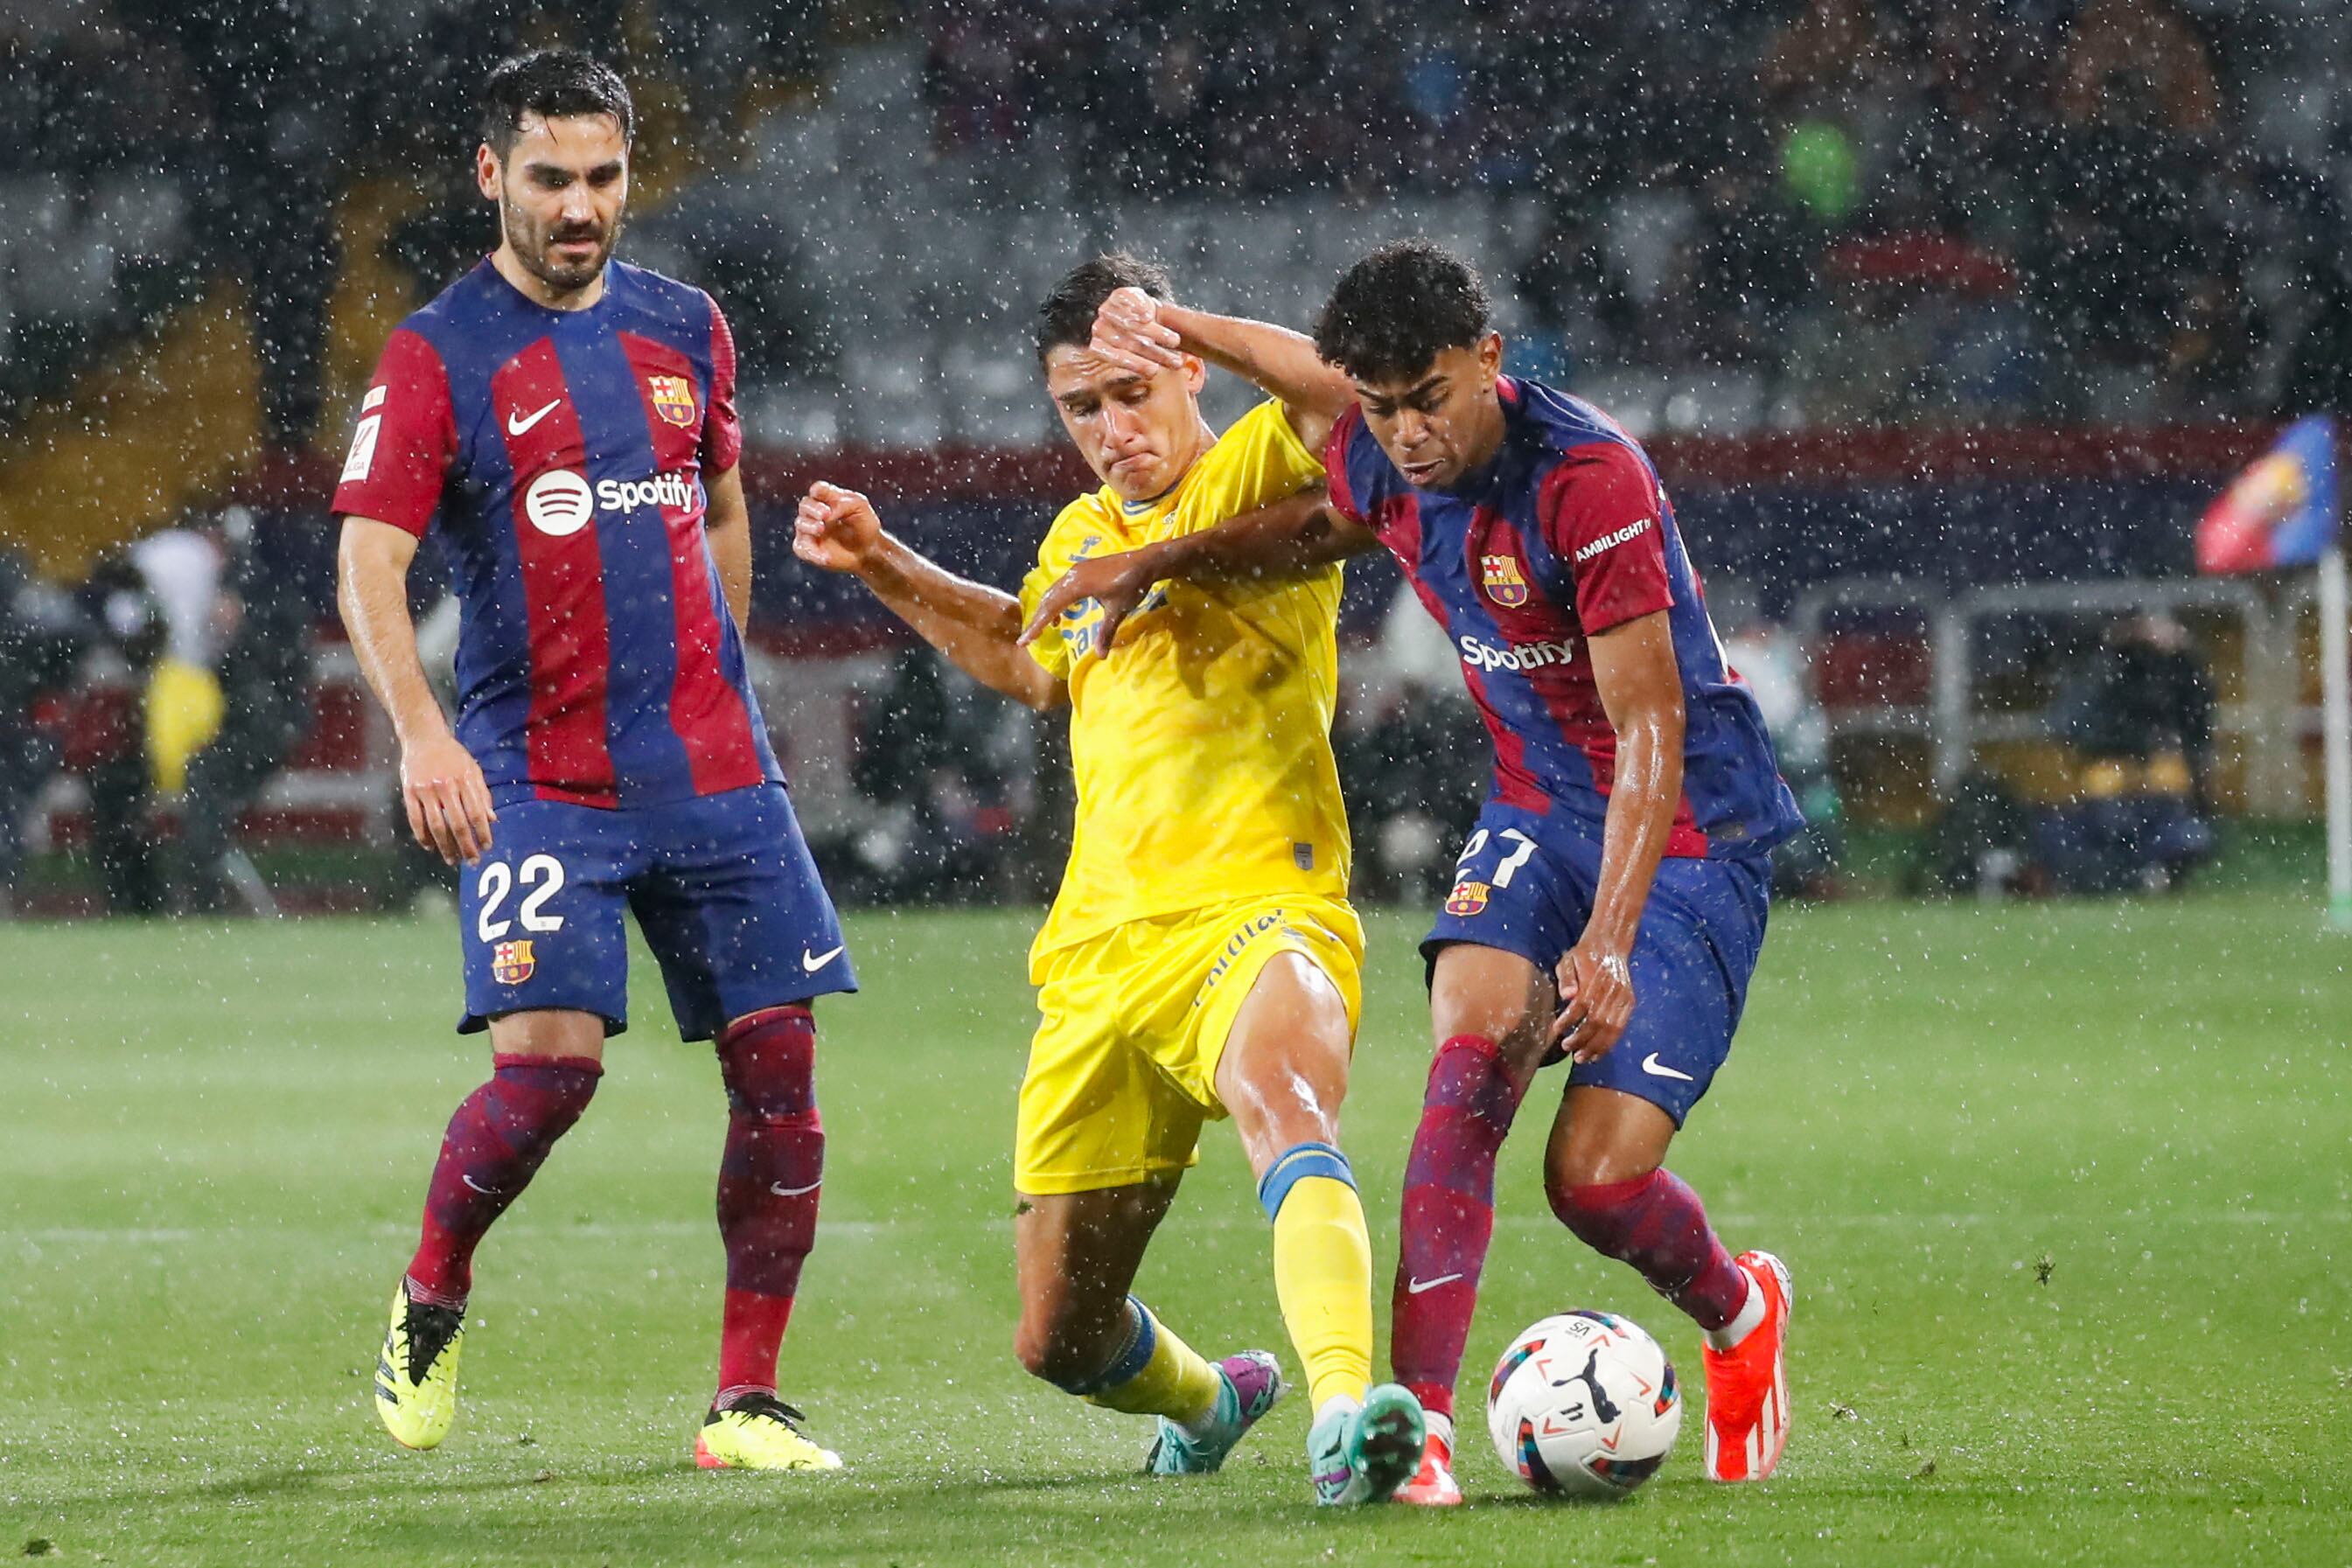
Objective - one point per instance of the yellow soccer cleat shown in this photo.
(417, 1375)
(759, 1432)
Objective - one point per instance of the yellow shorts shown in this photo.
(1124, 1067)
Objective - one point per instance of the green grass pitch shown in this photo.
(2067, 1192)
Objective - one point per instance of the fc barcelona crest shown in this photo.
(673, 398)
(512, 962)
(1467, 897)
(1499, 576)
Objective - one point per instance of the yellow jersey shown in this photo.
(1202, 748)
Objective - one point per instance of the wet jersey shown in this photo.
(1565, 533)
(1202, 749)
(562, 453)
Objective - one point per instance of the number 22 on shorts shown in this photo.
(541, 877)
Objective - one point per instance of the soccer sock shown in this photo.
(1658, 1225)
(1449, 1214)
(1440, 1427)
(768, 1181)
(1322, 1267)
(1153, 1373)
(494, 1145)
(1747, 1319)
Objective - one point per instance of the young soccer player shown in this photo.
(1610, 906)
(1201, 960)
(568, 422)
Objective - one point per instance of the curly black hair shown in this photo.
(1397, 309)
(551, 83)
(1066, 319)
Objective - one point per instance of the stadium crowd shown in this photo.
(2104, 212)
(2111, 211)
(148, 147)
(2117, 210)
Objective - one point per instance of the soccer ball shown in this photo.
(1585, 1404)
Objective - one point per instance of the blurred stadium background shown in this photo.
(1943, 319)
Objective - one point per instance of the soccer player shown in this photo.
(569, 423)
(1201, 960)
(1610, 906)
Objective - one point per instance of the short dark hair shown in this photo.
(1066, 319)
(1397, 309)
(551, 83)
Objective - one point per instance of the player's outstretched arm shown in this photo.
(1642, 692)
(1144, 335)
(1289, 537)
(976, 626)
(441, 785)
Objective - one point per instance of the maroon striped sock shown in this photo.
(1449, 1214)
(1657, 1223)
(768, 1181)
(494, 1145)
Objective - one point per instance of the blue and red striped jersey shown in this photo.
(562, 453)
(1565, 533)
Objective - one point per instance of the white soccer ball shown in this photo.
(1584, 1405)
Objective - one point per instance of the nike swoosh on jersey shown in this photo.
(781, 1190)
(813, 962)
(1416, 1287)
(517, 423)
(1649, 1065)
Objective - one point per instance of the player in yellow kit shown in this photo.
(1200, 960)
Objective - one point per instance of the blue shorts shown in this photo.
(1524, 886)
(722, 887)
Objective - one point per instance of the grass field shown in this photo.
(2068, 1191)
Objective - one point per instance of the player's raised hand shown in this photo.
(1129, 333)
(449, 803)
(1596, 1000)
(835, 529)
(1117, 582)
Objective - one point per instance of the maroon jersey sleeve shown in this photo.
(1334, 466)
(722, 431)
(404, 439)
(1600, 510)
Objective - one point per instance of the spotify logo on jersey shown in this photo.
(559, 502)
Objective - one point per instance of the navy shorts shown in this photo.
(722, 887)
(1524, 884)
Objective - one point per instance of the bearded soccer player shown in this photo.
(567, 423)
(1610, 906)
(1201, 960)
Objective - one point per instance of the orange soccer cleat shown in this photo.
(1746, 1392)
(1432, 1485)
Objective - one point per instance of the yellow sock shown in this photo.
(1170, 1378)
(1323, 1275)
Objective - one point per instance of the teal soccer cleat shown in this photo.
(1363, 1453)
(1248, 1385)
